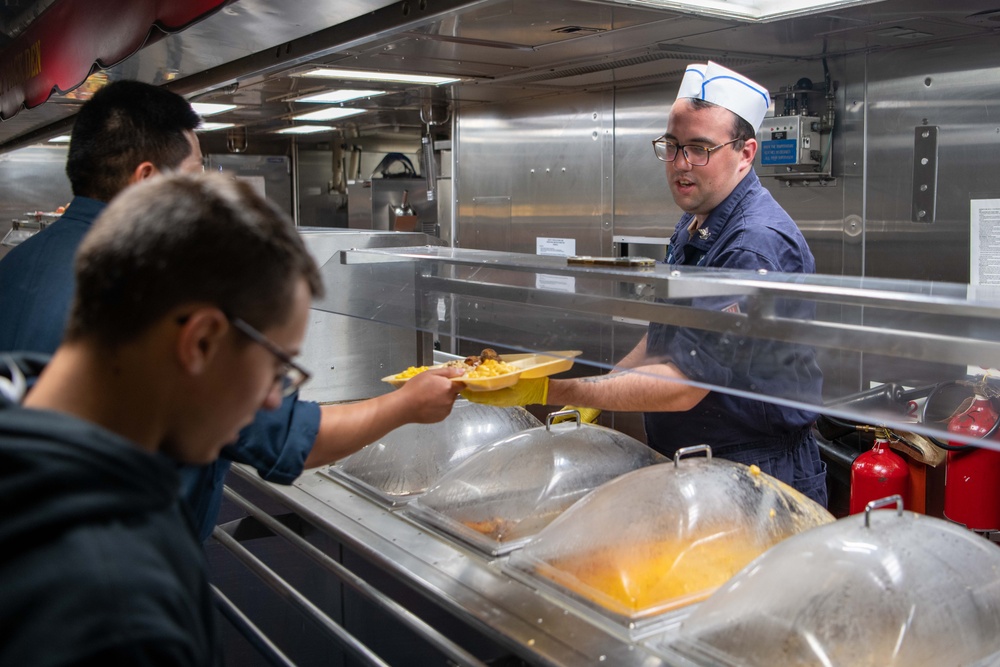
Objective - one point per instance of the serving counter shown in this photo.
(461, 605)
(474, 588)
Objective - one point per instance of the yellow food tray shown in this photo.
(528, 365)
(542, 364)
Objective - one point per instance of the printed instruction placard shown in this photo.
(984, 246)
(545, 245)
(984, 257)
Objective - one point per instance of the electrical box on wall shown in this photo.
(795, 146)
(790, 142)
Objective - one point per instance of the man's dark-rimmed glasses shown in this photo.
(292, 376)
(697, 156)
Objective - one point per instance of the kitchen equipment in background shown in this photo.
(505, 493)
(946, 400)
(434, 111)
(370, 204)
(430, 164)
(879, 589)
(403, 217)
(408, 460)
(878, 473)
(385, 165)
(972, 476)
(237, 139)
(22, 230)
(658, 539)
(850, 441)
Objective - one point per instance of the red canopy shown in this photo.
(72, 38)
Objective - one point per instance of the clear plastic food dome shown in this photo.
(664, 537)
(902, 590)
(411, 458)
(505, 493)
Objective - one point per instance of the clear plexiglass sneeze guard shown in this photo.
(883, 345)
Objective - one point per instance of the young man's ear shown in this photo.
(142, 172)
(200, 338)
(749, 152)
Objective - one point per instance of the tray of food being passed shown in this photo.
(489, 371)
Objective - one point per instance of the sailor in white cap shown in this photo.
(733, 106)
(726, 88)
(731, 221)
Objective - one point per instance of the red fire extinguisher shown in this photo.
(878, 473)
(972, 478)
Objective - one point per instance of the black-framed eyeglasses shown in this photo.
(697, 156)
(292, 375)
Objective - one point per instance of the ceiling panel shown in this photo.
(250, 53)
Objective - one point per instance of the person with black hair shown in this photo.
(162, 361)
(127, 133)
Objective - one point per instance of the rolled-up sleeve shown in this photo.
(278, 442)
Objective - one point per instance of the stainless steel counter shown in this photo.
(465, 584)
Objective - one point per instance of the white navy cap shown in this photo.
(716, 84)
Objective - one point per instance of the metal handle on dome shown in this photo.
(696, 449)
(882, 502)
(563, 413)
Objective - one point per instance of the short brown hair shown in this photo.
(181, 238)
(742, 130)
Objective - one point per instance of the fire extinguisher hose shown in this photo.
(937, 443)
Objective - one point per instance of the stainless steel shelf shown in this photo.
(943, 322)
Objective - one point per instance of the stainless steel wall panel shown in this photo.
(835, 229)
(951, 86)
(551, 158)
(319, 206)
(270, 172)
(444, 209)
(349, 356)
(643, 205)
(536, 169)
(954, 88)
(491, 223)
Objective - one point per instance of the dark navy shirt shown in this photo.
(748, 230)
(36, 291)
(37, 283)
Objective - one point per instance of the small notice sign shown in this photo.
(555, 246)
(781, 151)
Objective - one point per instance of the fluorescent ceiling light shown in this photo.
(377, 76)
(208, 127)
(750, 10)
(334, 96)
(306, 129)
(61, 139)
(206, 109)
(329, 114)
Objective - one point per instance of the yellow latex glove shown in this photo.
(587, 415)
(526, 392)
